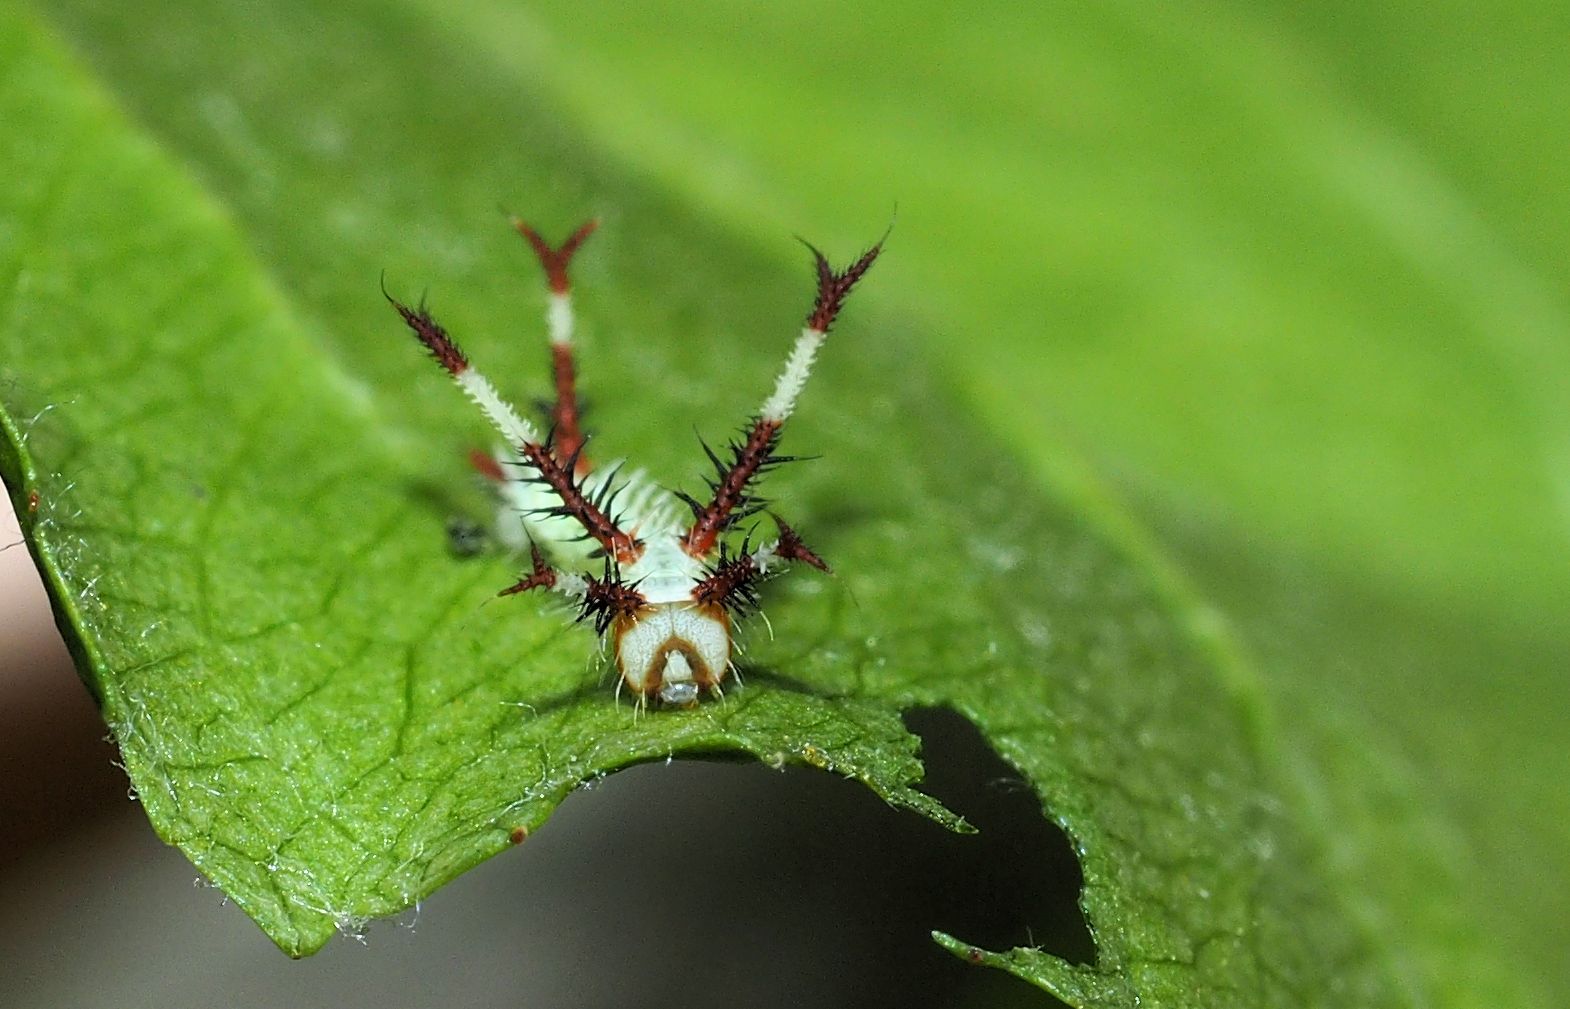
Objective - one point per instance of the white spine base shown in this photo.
(498, 411)
(558, 318)
(793, 379)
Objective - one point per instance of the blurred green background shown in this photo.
(1288, 280)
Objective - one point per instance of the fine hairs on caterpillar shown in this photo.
(667, 589)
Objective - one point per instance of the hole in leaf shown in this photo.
(714, 883)
(1020, 873)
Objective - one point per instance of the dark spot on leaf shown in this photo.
(466, 538)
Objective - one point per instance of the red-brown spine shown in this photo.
(565, 415)
(442, 347)
(568, 434)
(730, 490)
(576, 504)
(556, 259)
(542, 576)
(730, 584)
(835, 285)
(791, 548)
(607, 600)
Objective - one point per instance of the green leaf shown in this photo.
(243, 470)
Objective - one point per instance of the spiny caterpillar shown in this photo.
(668, 590)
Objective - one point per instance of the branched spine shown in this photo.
(732, 582)
(606, 598)
(542, 575)
(791, 548)
(835, 285)
(732, 498)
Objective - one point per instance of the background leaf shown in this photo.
(300, 523)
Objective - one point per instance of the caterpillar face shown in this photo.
(674, 650)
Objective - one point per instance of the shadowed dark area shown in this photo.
(1019, 870)
(803, 886)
